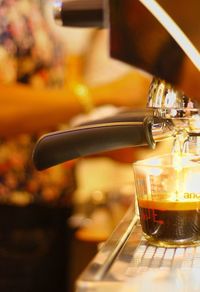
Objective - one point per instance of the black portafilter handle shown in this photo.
(61, 146)
(80, 13)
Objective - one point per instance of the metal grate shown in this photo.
(131, 264)
(147, 258)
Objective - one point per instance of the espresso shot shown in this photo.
(168, 199)
(170, 224)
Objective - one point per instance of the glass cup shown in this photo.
(168, 199)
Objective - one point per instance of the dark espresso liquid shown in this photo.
(170, 222)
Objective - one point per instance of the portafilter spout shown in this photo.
(171, 104)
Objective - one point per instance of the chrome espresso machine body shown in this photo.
(161, 38)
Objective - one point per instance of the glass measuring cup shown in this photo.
(168, 199)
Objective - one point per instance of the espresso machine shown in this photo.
(160, 38)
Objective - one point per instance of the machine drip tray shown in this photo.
(127, 263)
